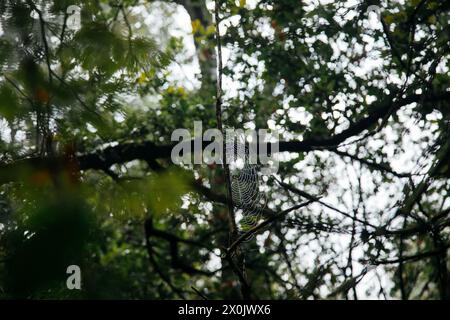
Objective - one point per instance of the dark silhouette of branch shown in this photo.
(199, 293)
(317, 199)
(401, 280)
(157, 268)
(440, 261)
(173, 240)
(371, 164)
(416, 257)
(148, 150)
(386, 106)
(262, 225)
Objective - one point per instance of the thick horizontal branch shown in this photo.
(149, 151)
(435, 223)
(384, 109)
(416, 257)
(123, 153)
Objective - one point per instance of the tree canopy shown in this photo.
(358, 92)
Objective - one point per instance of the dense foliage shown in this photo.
(362, 106)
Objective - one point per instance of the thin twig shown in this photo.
(262, 225)
(317, 199)
(412, 258)
(199, 293)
